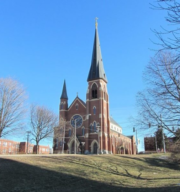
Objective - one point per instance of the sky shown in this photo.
(44, 42)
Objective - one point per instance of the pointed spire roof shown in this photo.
(64, 92)
(96, 69)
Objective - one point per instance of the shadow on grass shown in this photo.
(158, 162)
(108, 169)
(21, 177)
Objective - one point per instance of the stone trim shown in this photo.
(93, 84)
(86, 135)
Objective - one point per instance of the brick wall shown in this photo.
(9, 147)
(13, 147)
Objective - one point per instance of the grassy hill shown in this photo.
(82, 173)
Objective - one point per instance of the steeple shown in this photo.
(64, 92)
(96, 69)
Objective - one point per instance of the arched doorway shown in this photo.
(120, 150)
(95, 147)
(71, 145)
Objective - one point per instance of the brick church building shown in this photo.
(86, 127)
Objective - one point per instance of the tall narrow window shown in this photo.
(104, 96)
(61, 131)
(62, 106)
(76, 106)
(91, 128)
(83, 131)
(94, 91)
(94, 110)
(94, 126)
(69, 132)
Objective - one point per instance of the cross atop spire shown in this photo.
(64, 92)
(96, 70)
(96, 24)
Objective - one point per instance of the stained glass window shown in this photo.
(69, 132)
(94, 126)
(94, 110)
(82, 131)
(91, 128)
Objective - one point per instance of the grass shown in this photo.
(82, 173)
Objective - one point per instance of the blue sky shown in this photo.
(44, 42)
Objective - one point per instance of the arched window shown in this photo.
(61, 130)
(94, 110)
(91, 128)
(76, 106)
(104, 96)
(62, 106)
(69, 132)
(83, 131)
(94, 91)
(94, 126)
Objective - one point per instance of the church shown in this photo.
(86, 127)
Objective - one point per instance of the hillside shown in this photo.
(81, 173)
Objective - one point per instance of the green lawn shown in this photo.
(88, 173)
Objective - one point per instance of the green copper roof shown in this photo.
(96, 69)
(64, 92)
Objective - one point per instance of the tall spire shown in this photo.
(64, 92)
(96, 69)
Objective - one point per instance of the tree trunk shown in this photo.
(37, 147)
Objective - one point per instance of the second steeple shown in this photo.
(64, 92)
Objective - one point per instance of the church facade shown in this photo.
(86, 127)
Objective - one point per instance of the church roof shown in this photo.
(64, 92)
(114, 122)
(96, 69)
(81, 101)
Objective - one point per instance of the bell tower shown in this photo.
(97, 102)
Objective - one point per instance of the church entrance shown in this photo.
(95, 148)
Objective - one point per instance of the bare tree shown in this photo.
(60, 135)
(162, 95)
(169, 38)
(12, 110)
(42, 122)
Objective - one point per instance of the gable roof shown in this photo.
(80, 100)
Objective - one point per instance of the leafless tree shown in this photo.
(42, 121)
(12, 108)
(60, 135)
(169, 38)
(162, 96)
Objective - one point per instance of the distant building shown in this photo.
(13, 147)
(89, 129)
(25, 147)
(42, 149)
(9, 147)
